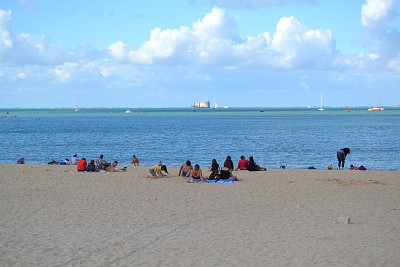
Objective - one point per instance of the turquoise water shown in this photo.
(297, 137)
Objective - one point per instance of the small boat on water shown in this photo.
(321, 107)
(376, 109)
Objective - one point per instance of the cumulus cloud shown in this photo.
(215, 40)
(383, 40)
(376, 12)
(65, 71)
(28, 49)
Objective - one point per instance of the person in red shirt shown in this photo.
(82, 165)
(242, 164)
(135, 161)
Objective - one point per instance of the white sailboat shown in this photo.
(216, 105)
(321, 108)
(378, 107)
(77, 108)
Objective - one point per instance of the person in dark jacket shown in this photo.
(341, 156)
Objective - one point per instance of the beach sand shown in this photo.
(51, 216)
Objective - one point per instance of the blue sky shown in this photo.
(253, 53)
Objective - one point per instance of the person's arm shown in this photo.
(180, 170)
(160, 173)
(201, 176)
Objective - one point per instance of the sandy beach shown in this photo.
(51, 216)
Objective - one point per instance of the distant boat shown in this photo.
(77, 106)
(321, 108)
(216, 105)
(377, 107)
(226, 107)
(128, 111)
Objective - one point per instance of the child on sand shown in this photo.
(156, 171)
(135, 161)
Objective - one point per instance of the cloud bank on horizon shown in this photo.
(209, 59)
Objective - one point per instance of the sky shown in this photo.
(238, 53)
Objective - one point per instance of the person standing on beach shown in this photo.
(341, 156)
(185, 168)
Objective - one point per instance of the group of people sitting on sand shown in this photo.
(195, 174)
(98, 165)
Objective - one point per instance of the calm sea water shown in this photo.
(296, 137)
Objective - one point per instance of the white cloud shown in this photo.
(5, 38)
(375, 12)
(21, 75)
(65, 71)
(28, 49)
(394, 64)
(215, 40)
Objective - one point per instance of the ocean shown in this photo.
(294, 137)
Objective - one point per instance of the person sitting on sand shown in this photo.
(252, 166)
(214, 168)
(135, 161)
(185, 168)
(101, 164)
(229, 159)
(113, 167)
(195, 175)
(242, 164)
(21, 161)
(81, 167)
(341, 155)
(156, 171)
(91, 167)
(226, 173)
(74, 160)
(352, 167)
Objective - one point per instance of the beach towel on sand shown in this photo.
(211, 181)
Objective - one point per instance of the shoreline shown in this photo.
(205, 169)
(53, 216)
